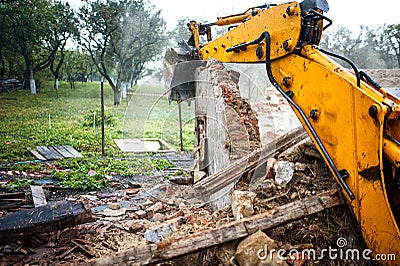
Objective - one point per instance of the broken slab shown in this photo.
(143, 145)
(39, 198)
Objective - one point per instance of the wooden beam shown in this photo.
(171, 248)
(217, 182)
(51, 217)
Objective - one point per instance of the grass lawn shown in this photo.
(73, 118)
(151, 116)
(44, 119)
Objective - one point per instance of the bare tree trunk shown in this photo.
(56, 84)
(32, 83)
(117, 96)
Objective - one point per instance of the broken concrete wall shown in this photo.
(226, 126)
(275, 116)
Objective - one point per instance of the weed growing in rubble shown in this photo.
(19, 184)
(88, 174)
(161, 164)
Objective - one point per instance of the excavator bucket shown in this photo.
(179, 73)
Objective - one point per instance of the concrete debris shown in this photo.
(270, 172)
(156, 207)
(114, 213)
(156, 235)
(283, 172)
(114, 205)
(256, 250)
(198, 175)
(135, 226)
(242, 204)
(140, 214)
(300, 166)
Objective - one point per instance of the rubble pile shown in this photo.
(295, 203)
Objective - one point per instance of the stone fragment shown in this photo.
(156, 207)
(270, 167)
(135, 226)
(158, 234)
(114, 205)
(140, 214)
(158, 217)
(283, 172)
(242, 204)
(300, 167)
(256, 250)
(114, 213)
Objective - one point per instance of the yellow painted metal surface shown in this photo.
(351, 136)
(276, 21)
(365, 145)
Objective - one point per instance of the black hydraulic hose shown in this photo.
(303, 115)
(243, 45)
(364, 76)
(316, 15)
(353, 66)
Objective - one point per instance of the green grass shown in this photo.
(153, 117)
(73, 118)
(44, 119)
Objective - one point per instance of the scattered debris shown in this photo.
(283, 172)
(165, 249)
(242, 204)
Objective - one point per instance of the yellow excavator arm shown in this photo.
(354, 123)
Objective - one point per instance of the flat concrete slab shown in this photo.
(143, 145)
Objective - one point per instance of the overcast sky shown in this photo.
(349, 13)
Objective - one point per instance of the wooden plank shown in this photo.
(48, 154)
(51, 217)
(72, 151)
(39, 198)
(55, 152)
(171, 248)
(8, 204)
(12, 195)
(63, 151)
(36, 154)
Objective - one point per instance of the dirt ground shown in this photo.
(144, 203)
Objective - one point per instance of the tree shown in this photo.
(390, 40)
(62, 28)
(360, 48)
(33, 29)
(121, 37)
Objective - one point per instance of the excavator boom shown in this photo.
(354, 123)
